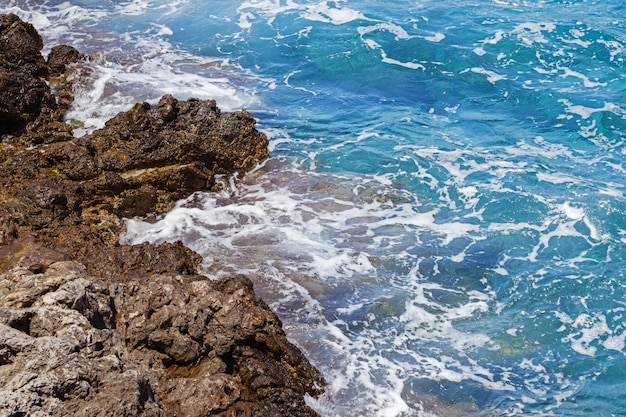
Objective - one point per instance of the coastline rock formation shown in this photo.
(89, 326)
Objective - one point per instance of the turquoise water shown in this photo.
(441, 225)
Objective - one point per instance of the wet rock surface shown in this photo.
(22, 91)
(92, 327)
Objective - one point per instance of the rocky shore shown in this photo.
(91, 327)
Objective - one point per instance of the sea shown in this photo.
(441, 224)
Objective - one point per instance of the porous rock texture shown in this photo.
(91, 327)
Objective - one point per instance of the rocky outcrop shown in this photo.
(140, 162)
(92, 327)
(153, 345)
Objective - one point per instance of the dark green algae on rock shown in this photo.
(92, 327)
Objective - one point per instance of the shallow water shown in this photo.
(441, 225)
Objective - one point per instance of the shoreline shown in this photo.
(100, 324)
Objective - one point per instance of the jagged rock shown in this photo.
(60, 57)
(140, 162)
(22, 90)
(89, 327)
(154, 345)
(156, 154)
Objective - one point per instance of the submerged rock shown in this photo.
(92, 327)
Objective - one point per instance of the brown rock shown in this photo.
(20, 46)
(163, 152)
(153, 345)
(60, 57)
(22, 91)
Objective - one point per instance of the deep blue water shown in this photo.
(441, 225)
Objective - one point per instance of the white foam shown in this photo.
(587, 112)
(109, 88)
(410, 65)
(398, 31)
(586, 82)
(267, 9)
(541, 147)
(492, 76)
(556, 178)
(436, 37)
(579, 42)
(162, 30)
(590, 331)
(400, 34)
(533, 32)
(480, 51)
(497, 37)
(322, 12)
(573, 213)
(617, 342)
(244, 20)
(132, 8)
